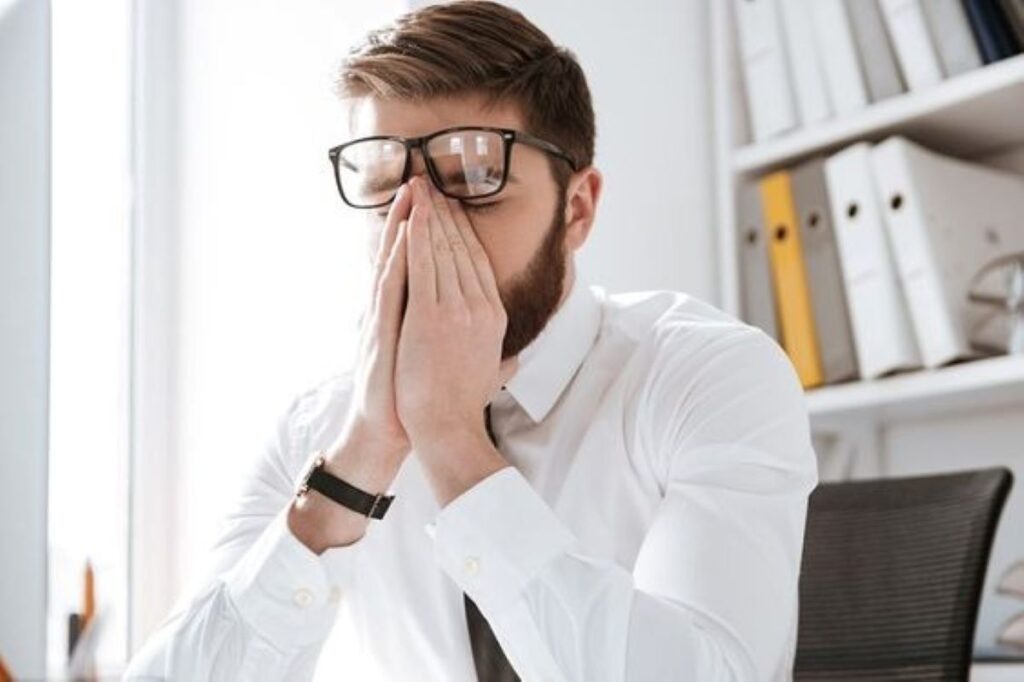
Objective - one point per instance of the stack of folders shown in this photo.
(806, 61)
(860, 263)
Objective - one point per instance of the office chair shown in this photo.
(892, 573)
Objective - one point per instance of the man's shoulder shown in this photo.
(666, 340)
(667, 320)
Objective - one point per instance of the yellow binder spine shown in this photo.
(789, 274)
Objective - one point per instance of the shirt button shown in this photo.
(471, 565)
(303, 598)
(335, 595)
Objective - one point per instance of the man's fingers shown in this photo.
(393, 277)
(447, 286)
(390, 304)
(422, 272)
(477, 254)
(468, 278)
(398, 212)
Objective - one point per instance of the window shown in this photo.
(90, 322)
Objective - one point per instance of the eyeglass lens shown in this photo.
(467, 163)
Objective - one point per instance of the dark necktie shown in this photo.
(489, 659)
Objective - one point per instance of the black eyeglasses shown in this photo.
(466, 162)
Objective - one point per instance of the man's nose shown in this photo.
(419, 167)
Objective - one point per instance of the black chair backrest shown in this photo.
(892, 573)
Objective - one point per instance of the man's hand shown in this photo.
(373, 410)
(373, 443)
(449, 351)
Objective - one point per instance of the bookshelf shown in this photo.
(899, 424)
(967, 115)
(971, 115)
(969, 386)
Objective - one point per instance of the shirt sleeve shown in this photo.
(713, 592)
(269, 601)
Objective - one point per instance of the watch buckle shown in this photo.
(317, 462)
(373, 507)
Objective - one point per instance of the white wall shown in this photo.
(90, 290)
(251, 272)
(647, 65)
(24, 329)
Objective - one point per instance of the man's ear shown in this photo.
(582, 195)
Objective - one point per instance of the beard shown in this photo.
(532, 297)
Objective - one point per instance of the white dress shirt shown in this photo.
(650, 528)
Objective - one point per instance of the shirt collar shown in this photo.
(550, 361)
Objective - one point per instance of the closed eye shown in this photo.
(480, 208)
(475, 208)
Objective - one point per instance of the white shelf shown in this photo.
(969, 386)
(973, 114)
(967, 115)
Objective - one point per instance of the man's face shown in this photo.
(522, 229)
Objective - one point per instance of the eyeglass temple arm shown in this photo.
(529, 139)
(336, 156)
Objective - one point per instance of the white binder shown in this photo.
(946, 219)
(838, 54)
(808, 81)
(756, 287)
(882, 332)
(951, 34)
(877, 59)
(766, 75)
(913, 42)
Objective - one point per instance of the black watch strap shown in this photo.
(345, 494)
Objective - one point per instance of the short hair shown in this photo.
(479, 47)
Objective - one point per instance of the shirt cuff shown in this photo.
(285, 591)
(494, 538)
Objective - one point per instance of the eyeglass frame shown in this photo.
(509, 137)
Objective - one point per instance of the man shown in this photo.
(579, 486)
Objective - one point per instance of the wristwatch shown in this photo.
(347, 495)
